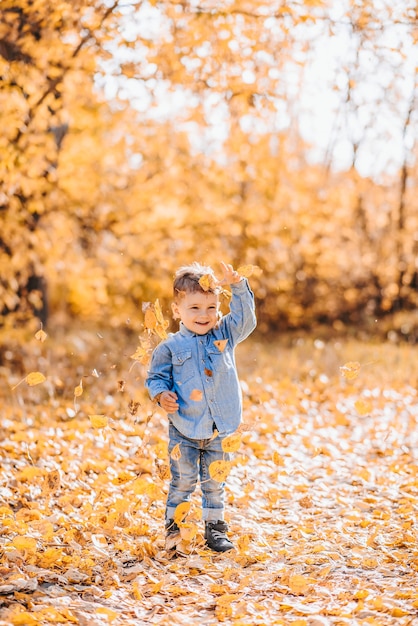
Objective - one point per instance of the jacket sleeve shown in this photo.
(159, 375)
(241, 319)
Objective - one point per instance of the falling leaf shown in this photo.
(219, 470)
(188, 531)
(220, 344)
(34, 378)
(41, 335)
(207, 282)
(248, 270)
(196, 395)
(363, 407)
(98, 421)
(176, 453)
(181, 512)
(231, 443)
(79, 389)
(350, 370)
(150, 319)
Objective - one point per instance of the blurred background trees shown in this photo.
(138, 136)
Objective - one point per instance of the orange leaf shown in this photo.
(207, 282)
(220, 344)
(196, 395)
(176, 453)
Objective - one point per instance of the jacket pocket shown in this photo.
(183, 368)
(221, 361)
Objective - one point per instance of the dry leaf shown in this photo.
(220, 344)
(98, 421)
(176, 453)
(79, 389)
(41, 335)
(34, 378)
(207, 282)
(350, 370)
(231, 443)
(181, 512)
(196, 395)
(219, 470)
(248, 270)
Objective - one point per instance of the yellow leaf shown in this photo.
(363, 407)
(52, 480)
(350, 370)
(220, 344)
(231, 443)
(219, 470)
(98, 421)
(277, 459)
(299, 584)
(150, 319)
(41, 335)
(79, 389)
(196, 395)
(24, 618)
(188, 531)
(25, 544)
(248, 270)
(181, 511)
(109, 613)
(34, 378)
(243, 543)
(176, 453)
(207, 282)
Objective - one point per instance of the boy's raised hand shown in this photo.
(230, 276)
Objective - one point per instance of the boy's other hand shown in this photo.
(168, 401)
(230, 275)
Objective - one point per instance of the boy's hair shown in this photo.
(187, 277)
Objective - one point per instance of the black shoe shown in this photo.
(172, 535)
(215, 535)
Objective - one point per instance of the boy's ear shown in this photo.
(175, 310)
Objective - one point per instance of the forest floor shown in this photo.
(322, 495)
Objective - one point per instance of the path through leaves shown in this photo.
(322, 494)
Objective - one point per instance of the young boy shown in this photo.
(193, 377)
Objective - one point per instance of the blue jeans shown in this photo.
(196, 456)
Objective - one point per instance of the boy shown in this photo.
(193, 377)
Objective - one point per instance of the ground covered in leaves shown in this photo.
(322, 495)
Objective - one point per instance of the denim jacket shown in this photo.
(186, 362)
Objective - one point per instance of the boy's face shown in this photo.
(198, 311)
